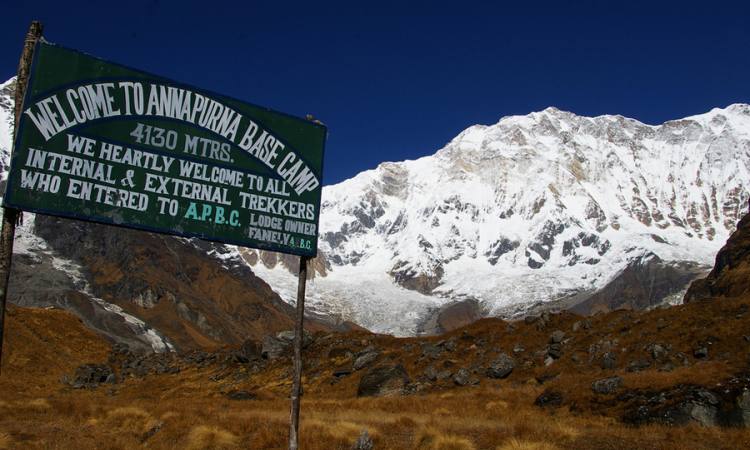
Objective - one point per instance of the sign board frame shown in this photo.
(276, 214)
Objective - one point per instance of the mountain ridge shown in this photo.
(551, 203)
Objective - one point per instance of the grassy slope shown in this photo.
(188, 410)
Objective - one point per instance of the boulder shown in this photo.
(383, 381)
(365, 359)
(555, 350)
(89, 376)
(501, 367)
(250, 350)
(363, 442)
(609, 361)
(431, 373)
(658, 351)
(431, 351)
(462, 377)
(240, 395)
(288, 336)
(606, 385)
(743, 405)
(556, 337)
(549, 398)
(638, 365)
(701, 352)
(274, 347)
(702, 413)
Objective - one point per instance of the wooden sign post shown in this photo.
(11, 215)
(298, 341)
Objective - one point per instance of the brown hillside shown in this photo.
(169, 283)
(232, 399)
(730, 276)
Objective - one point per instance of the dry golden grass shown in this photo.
(5, 440)
(205, 437)
(431, 438)
(516, 444)
(188, 410)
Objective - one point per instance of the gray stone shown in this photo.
(363, 442)
(555, 350)
(383, 381)
(743, 404)
(431, 351)
(658, 351)
(365, 360)
(444, 375)
(557, 337)
(89, 376)
(274, 347)
(462, 377)
(638, 365)
(609, 361)
(703, 414)
(501, 367)
(606, 385)
(288, 336)
(701, 352)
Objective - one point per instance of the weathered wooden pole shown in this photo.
(11, 216)
(298, 333)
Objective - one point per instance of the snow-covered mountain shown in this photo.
(545, 209)
(532, 209)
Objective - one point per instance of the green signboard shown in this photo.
(102, 142)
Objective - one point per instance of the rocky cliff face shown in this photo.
(730, 276)
(548, 207)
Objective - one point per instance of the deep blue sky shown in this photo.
(396, 82)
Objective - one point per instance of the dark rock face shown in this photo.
(543, 243)
(730, 276)
(501, 367)
(646, 282)
(383, 381)
(684, 404)
(499, 248)
(452, 316)
(407, 277)
(189, 298)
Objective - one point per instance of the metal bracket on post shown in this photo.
(11, 216)
(298, 334)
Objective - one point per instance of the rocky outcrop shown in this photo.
(647, 281)
(730, 276)
(168, 283)
(383, 381)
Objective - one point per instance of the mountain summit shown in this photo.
(588, 212)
